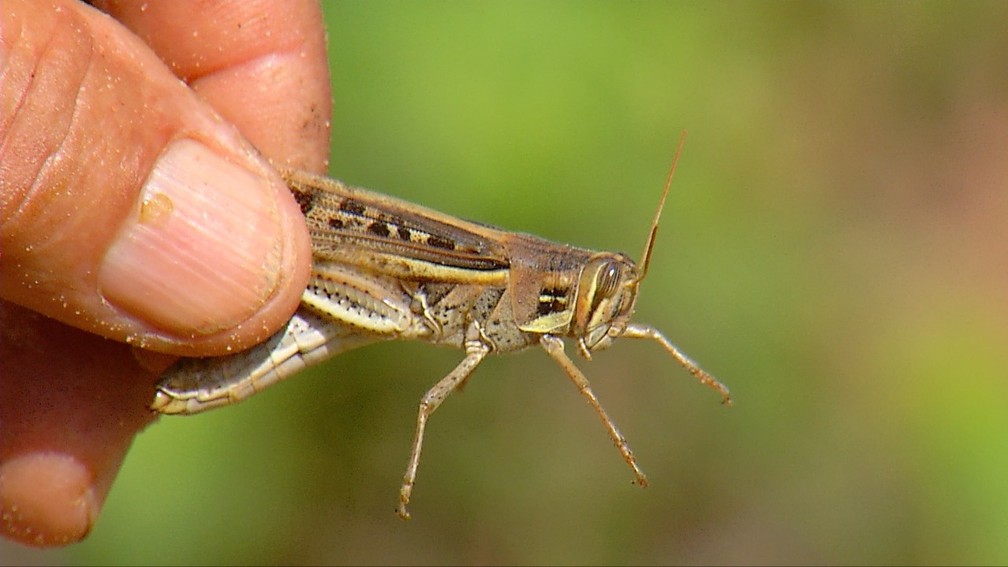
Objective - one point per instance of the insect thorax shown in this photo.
(452, 311)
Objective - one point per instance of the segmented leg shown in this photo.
(635, 331)
(554, 346)
(475, 352)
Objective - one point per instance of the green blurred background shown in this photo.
(835, 249)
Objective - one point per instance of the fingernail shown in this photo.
(202, 251)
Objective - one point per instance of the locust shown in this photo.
(388, 269)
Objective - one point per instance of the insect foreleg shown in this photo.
(555, 347)
(636, 331)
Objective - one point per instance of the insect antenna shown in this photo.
(649, 245)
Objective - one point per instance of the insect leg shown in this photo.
(636, 331)
(475, 352)
(554, 346)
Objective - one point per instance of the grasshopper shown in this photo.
(387, 269)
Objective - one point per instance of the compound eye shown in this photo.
(607, 279)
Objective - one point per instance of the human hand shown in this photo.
(131, 209)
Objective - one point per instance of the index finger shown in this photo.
(261, 65)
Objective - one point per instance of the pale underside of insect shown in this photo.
(387, 269)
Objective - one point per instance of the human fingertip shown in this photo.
(47, 499)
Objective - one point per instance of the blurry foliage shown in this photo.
(834, 249)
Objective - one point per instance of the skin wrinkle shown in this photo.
(32, 196)
(12, 213)
(31, 80)
(194, 79)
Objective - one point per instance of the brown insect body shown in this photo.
(386, 269)
(515, 287)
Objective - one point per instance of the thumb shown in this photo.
(128, 208)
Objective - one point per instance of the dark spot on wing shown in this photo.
(379, 228)
(440, 242)
(335, 223)
(352, 207)
(304, 200)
